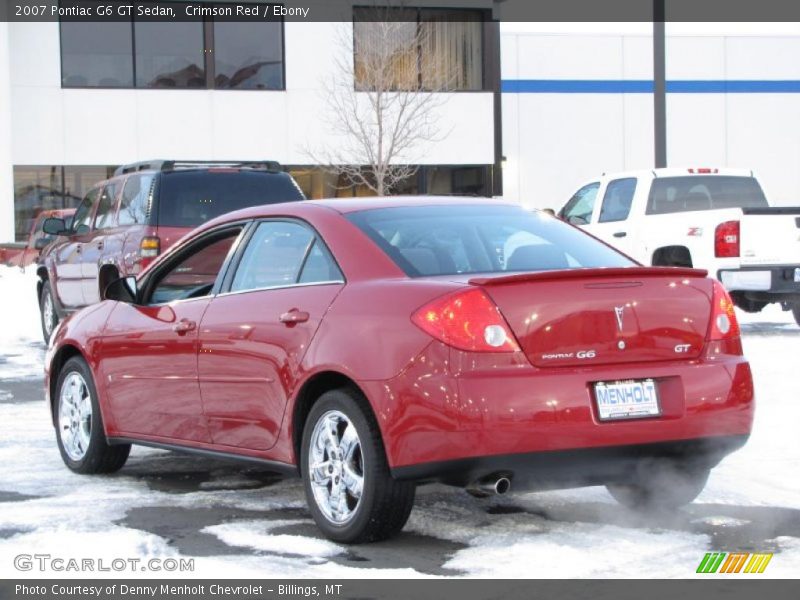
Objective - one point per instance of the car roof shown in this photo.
(345, 206)
(349, 205)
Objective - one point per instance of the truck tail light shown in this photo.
(150, 246)
(726, 239)
(724, 335)
(467, 320)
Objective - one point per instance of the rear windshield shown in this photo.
(189, 198)
(680, 194)
(448, 240)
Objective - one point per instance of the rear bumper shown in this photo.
(573, 468)
(452, 410)
(777, 281)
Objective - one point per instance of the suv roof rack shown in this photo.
(175, 165)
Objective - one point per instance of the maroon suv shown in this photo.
(123, 223)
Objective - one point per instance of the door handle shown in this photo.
(294, 316)
(78, 249)
(621, 234)
(184, 326)
(99, 245)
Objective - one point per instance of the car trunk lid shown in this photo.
(584, 317)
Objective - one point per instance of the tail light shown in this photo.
(726, 239)
(150, 247)
(703, 171)
(467, 320)
(724, 333)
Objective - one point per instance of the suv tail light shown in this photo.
(467, 320)
(150, 246)
(726, 239)
(723, 333)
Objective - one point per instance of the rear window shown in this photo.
(691, 193)
(448, 240)
(190, 198)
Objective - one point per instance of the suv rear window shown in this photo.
(190, 198)
(691, 193)
(449, 240)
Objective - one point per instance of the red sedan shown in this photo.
(370, 345)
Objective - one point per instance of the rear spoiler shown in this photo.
(772, 210)
(620, 272)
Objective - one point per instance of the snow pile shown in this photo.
(21, 346)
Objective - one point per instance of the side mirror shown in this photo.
(549, 211)
(42, 243)
(54, 226)
(577, 220)
(122, 290)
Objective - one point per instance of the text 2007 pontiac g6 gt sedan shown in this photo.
(370, 345)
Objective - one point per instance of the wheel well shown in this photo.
(43, 276)
(309, 394)
(672, 256)
(106, 275)
(59, 360)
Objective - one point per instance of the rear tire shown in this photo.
(48, 312)
(350, 492)
(664, 486)
(796, 313)
(79, 424)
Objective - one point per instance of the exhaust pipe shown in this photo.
(490, 486)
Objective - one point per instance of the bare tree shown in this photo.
(381, 111)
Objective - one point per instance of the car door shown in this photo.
(68, 255)
(94, 249)
(611, 219)
(149, 350)
(254, 335)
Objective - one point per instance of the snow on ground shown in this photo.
(20, 330)
(239, 523)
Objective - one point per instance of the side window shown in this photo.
(194, 275)
(282, 253)
(617, 200)
(83, 214)
(135, 200)
(320, 266)
(578, 210)
(106, 207)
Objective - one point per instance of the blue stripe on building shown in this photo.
(645, 86)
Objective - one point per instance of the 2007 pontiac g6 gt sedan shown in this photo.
(370, 345)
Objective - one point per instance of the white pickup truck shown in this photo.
(713, 219)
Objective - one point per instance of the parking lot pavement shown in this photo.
(240, 521)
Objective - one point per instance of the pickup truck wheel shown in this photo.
(79, 423)
(796, 313)
(664, 486)
(47, 308)
(350, 492)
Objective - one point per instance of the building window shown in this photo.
(248, 55)
(96, 54)
(471, 180)
(38, 188)
(429, 49)
(175, 54)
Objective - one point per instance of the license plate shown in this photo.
(630, 399)
(797, 275)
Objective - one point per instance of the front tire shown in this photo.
(350, 492)
(79, 423)
(662, 486)
(47, 310)
(796, 313)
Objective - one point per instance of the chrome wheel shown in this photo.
(75, 416)
(48, 313)
(336, 467)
